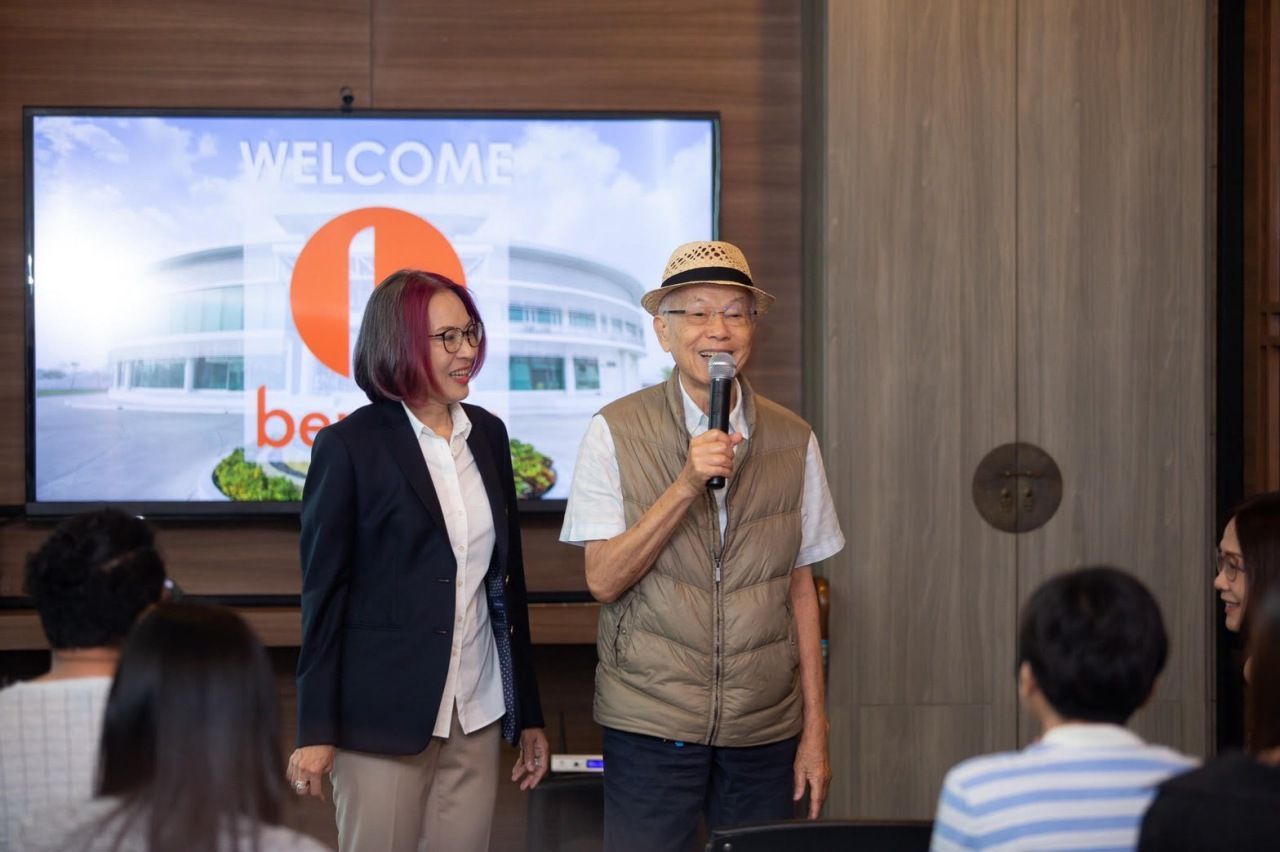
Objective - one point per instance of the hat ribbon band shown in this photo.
(709, 273)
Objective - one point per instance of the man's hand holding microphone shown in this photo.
(710, 460)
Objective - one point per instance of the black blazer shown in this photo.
(378, 575)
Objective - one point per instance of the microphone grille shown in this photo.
(722, 366)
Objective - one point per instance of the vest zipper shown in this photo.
(717, 696)
(717, 691)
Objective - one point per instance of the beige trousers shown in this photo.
(439, 800)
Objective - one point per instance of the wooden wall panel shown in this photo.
(258, 558)
(741, 59)
(918, 316)
(261, 557)
(1261, 254)
(1114, 309)
(562, 624)
(903, 747)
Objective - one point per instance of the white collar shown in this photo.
(1091, 735)
(694, 419)
(461, 423)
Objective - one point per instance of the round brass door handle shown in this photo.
(1017, 487)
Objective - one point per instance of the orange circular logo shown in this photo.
(319, 291)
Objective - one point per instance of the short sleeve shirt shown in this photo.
(595, 509)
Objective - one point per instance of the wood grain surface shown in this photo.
(1016, 245)
(918, 320)
(1114, 282)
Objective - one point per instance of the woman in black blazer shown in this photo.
(415, 634)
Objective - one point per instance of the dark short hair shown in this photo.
(92, 578)
(1258, 529)
(1096, 643)
(191, 733)
(393, 350)
(1262, 698)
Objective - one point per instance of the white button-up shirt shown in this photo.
(595, 510)
(474, 680)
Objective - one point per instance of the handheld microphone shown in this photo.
(721, 368)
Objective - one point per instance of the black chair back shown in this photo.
(823, 836)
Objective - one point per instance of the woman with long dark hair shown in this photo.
(1248, 559)
(415, 653)
(190, 757)
(1233, 802)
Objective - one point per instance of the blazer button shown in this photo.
(440, 631)
(511, 630)
(506, 581)
(445, 580)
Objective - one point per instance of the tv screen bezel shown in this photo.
(197, 510)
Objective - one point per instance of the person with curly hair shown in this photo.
(89, 581)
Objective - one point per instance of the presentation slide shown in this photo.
(197, 282)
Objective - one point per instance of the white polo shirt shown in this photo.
(474, 680)
(595, 510)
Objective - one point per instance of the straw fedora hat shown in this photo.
(706, 262)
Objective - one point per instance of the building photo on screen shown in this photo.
(197, 282)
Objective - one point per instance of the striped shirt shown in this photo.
(49, 734)
(1082, 786)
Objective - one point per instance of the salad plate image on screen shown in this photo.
(196, 283)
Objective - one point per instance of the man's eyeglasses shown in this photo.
(452, 337)
(1231, 564)
(733, 317)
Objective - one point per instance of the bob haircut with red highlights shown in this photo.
(393, 349)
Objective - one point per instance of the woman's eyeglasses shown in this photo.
(1231, 564)
(452, 337)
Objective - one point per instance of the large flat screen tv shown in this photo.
(196, 282)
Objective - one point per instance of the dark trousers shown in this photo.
(655, 790)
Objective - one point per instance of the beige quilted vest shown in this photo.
(681, 655)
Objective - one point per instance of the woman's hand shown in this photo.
(535, 754)
(308, 766)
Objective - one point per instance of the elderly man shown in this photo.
(709, 684)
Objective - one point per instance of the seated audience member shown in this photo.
(1248, 559)
(190, 755)
(1090, 646)
(1233, 802)
(90, 580)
